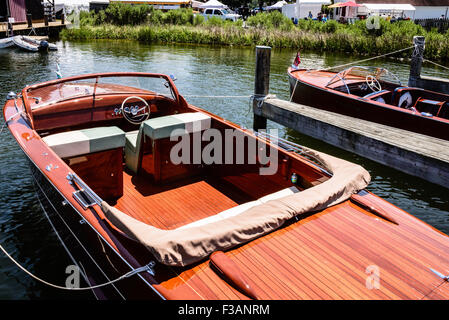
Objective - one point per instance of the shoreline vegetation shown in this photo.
(143, 23)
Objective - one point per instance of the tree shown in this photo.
(247, 3)
(236, 3)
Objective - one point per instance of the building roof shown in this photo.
(419, 3)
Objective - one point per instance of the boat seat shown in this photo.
(375, 94)
(241, 208)
(378, 96)
(429, 106)
(399, 97)
(161, 128)
(132, 149)
(85, 141)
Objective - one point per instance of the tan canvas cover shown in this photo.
(181, 247)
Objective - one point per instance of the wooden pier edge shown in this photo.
(415, 154)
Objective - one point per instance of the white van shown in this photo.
(220, 13)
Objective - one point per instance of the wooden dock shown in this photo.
(415, 154)
(40, 29)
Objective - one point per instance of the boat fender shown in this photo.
(405, 101)
(43, 45)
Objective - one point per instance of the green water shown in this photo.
(201, 71)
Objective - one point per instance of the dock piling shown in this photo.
(29, 20)
(416, 79)
(261, 83)
(417, 58)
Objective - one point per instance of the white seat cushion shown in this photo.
(241, 208)
(162, 127)
(85, 141)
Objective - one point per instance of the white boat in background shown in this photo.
(6, 42)
(30, 44)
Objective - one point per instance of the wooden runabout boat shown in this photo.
(372, 94)
(100, 148)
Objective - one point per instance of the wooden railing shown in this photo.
(442, 25)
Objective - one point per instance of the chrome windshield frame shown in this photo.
(340, 76)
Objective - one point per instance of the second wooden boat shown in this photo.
(372, 94)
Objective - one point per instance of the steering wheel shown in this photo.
(372, 83)
(136, 114)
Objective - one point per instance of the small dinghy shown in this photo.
(30, 44)
(6, 42)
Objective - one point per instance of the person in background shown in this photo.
(324, 19)
(310, 16)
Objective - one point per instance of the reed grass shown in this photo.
(275, 30)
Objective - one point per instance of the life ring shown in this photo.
(405, 101)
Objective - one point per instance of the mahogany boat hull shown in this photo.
(87, 248)
(317, 96)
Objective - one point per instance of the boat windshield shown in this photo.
(97, 85)
(358, 73)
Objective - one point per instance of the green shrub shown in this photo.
(271, 29)
(125, 14)
(270, 20)
(198, 20)
(214, 21)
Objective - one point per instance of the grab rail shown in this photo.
(85, 196)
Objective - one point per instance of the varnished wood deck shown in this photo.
(322, 256)
(169, 207)
(325, 256)
(174, 205)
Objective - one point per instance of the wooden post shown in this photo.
(29, 20)
(9, 32)
(62, 18)
(46, 20)
(262, 83)
(417, 59)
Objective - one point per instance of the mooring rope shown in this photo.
(367, 59)
(126, 275)
(199, 96)
(9, 119)
(439, 65)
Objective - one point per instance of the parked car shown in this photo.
(220, 13)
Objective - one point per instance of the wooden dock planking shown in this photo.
(412, 153)
(39, 27)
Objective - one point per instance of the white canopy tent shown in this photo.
(70, 5)
(277, 6)
(301, 8)
(212, 4)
